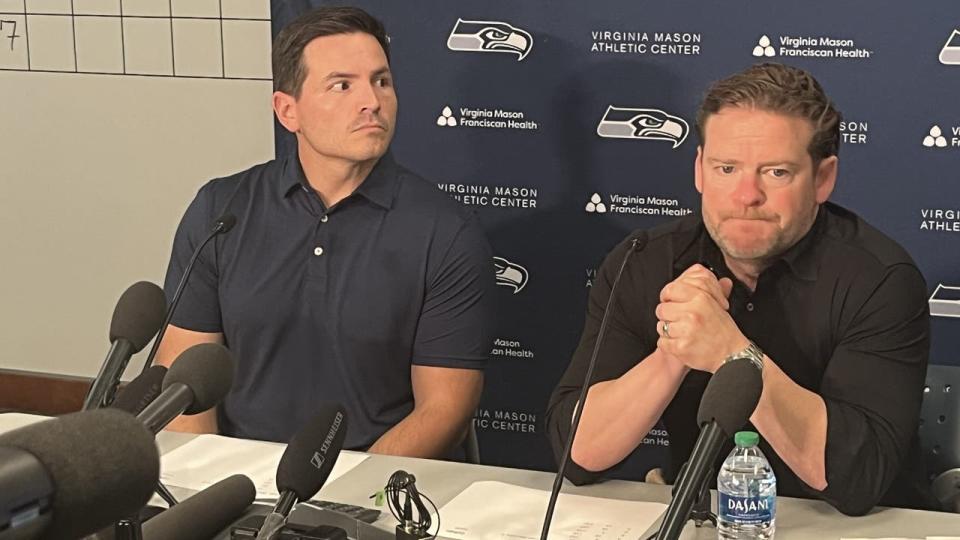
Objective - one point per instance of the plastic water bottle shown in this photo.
(747, 492)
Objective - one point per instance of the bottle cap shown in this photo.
(746, 439)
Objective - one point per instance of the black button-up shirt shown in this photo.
(333, 303)
(843, 313)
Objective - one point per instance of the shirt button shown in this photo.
(749, 304)
(324, 218)
(318, 251)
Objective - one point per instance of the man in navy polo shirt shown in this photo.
(347, 278)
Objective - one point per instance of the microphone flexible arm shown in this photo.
(558, 480)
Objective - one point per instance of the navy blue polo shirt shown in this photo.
(333, 304)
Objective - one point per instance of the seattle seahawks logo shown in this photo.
(510, 274)
(650, 124)
(489, 36)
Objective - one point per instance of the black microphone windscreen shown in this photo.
(138, 314)
(104, 465)
(226, 222)
(731, 395)
(141, 391)
(312, 452)
(207, 369)
(203, 515)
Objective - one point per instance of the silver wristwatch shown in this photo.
(752, 353)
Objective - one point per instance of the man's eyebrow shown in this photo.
(340, 75)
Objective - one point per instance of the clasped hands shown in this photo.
(694, 322)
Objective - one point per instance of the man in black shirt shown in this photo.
(834, 311)
(347, 278)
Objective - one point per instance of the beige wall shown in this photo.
(95, 172)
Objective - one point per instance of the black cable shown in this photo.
(403, 497)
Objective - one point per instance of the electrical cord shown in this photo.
(403, 497)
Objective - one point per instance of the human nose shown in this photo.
(748, 190)
(369, 99)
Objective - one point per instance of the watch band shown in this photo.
(752, 353)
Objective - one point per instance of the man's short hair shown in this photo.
(289, 71)
(781, 89)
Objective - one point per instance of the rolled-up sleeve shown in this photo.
(873, 387)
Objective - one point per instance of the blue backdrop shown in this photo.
(515, 109)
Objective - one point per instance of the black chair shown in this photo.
(940, 433)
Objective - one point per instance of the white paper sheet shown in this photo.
(499, 511)
(12, 421)
(208, 459)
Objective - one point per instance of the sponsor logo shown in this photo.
(810, 46)
(317, 460)
(945, 301)
(510, 274)
(485, 118)
(638, 42)
(505, 420)
(764, 48)
(497, 196)
(852, 132)
(647, 205)
(940, 220)
(642, 124)
(936, 139)
(950, 53)
(446, 118)
(507, 348)
(490, 37)
(595, 204)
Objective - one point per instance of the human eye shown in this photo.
(384, 82)
(340, 86)
(726, 169)
(779, 175)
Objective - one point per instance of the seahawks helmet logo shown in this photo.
(489, 36)
(649, 124)
(510, 274)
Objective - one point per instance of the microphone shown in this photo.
(141, 391)
(205, 514)
(136, 319)
(727, 403)
(222, 225)
(306, 464)
(638, 243)
(62, 481)
(198, 379)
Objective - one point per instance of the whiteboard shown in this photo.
(112, 114)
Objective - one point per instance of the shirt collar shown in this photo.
(380, 186)
(800, 258)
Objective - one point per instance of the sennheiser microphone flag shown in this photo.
(306, 464)
(103, 466)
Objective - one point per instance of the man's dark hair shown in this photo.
(781, 89)
(289, 72)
